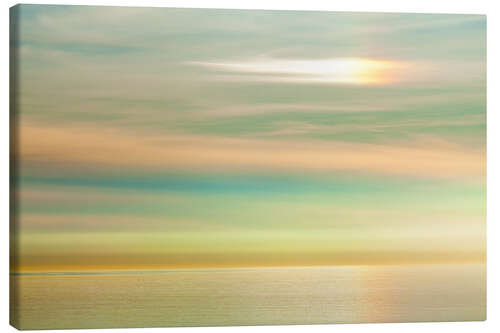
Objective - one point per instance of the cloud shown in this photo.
(334, 70)
(97, 147)
(351, 71)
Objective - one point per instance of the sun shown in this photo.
(367, 71)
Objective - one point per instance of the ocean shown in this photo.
(253, 296)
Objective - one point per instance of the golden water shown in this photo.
(305, 295)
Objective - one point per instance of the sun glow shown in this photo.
(335, 70)
(374, 71)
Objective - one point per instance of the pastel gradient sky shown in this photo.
(153, 138)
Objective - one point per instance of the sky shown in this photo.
(154, 138)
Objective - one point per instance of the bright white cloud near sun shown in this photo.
(334, 70)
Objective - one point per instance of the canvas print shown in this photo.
(214, 167)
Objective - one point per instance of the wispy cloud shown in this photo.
(334, 70)
(103, 148)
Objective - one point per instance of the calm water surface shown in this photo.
(347, 294)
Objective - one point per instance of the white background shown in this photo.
(491, 8)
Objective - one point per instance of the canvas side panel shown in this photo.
(14, 165)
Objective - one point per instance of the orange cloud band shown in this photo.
(109, 148)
